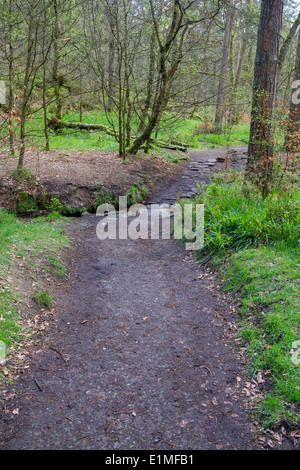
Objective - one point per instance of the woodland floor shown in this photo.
(140, 351)
(76, 177)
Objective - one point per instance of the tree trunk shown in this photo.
(220, 108)
(145, 136)
(260, 150)
(149, 85)
(44, 87)
(287, 42)
(165, 76)
(56, 62)
(111, 76)
(26, 83)
(239, 67)
(11, 81)
(292, 138)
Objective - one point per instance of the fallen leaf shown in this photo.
(259, 378)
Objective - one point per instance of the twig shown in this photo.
(205, 367)
(39, 387)
(57, 351)
(70, 419)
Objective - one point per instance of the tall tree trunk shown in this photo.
(239, 66)
(127, 75)
(292, 141)
(111, 75)
(11, 81)
(44, 86)
(145, 136)
(26, 84)
(232, 90)
(165, 76)
(220, 107)
(56, 62)
(149, 84)
(260, 150)
(287, 42)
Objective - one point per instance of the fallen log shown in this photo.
(57, 125)
(169, 146)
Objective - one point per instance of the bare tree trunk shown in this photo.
(11, 80)
(239, 67)
(56, 62)
(149, 84)
(111, 81)
(287, 42)
(26, 83)
(292, 137)
(164, 74)
(44, 87)
(127, 75)
(220, 107)
(260, 150)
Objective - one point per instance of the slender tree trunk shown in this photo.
(232, 90)
(260, 150)
(149, 84)
(44, 85)
(287, 42)
(239, 67)
(47, 141)
(111, 77)
(127, 75)
(220, 107)
(11, 81)
(26, 83)
(56, 62)
(162, 109)
(146, 135)
(165, 75)
(292, 141)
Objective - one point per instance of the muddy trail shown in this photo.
(139, 354)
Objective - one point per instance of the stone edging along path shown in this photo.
(138, 355)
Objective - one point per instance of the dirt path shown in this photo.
(138, 356)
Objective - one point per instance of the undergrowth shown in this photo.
(23, 245)
(255, 244)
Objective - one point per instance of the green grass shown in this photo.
(69, 139)
(43, 299)
(194, 133)
(237, 217)
(255, 245)
(178, 129)
(267, 281)
(23, 244)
